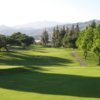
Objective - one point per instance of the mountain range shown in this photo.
(36, 29)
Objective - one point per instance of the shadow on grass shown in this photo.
(41, 50)
(33, 80)
(30, 78)
(20, 59)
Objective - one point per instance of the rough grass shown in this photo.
(46, 74)
(91, 60)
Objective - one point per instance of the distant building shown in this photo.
(49, 44)
(37, 41)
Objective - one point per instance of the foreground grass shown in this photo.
(46, 74)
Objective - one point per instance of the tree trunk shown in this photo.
(99, 61)
(85, 54)
(6, 48)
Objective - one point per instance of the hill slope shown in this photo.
(36, 29)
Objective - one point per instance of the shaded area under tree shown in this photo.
(22, 59)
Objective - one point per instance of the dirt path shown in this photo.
(79, 59)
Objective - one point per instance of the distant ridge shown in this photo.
(36, 29)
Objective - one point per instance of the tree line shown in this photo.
(68, 37)
(62, 37)
(87, 39)
(16, 39)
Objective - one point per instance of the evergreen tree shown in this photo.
(72, 37)
(55, 37)
(93, 24)
(61, 35)
(44, 38)
(77, 31)
(66, 38)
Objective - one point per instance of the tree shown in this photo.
(44, 38)
(88, 41)
(15, 38)
(3, 42)
(72, 37)
(55, 37)
(66, 38)
(85, 40)
(96, 43)
(26, 40)
(61, 35)
(20, 39)
(77, 31)
(93, 24)
(80, 39)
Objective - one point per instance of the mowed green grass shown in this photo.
(91, 60)
(46, 74)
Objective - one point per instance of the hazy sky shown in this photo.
(13, 12)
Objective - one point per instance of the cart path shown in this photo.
(79, 59)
